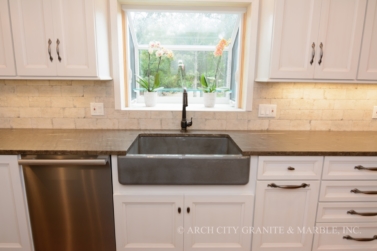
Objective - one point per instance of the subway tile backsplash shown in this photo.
(300, 106)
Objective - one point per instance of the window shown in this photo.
(192, 36)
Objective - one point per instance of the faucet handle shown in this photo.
(189, 123)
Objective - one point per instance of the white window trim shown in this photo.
(249, 40)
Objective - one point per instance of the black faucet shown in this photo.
(184, 123)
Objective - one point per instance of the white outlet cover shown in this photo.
(96, 109)
(374, 115)
(267, 111)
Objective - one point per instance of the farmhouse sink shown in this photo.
(189, 159)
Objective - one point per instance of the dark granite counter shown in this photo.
(293, 143)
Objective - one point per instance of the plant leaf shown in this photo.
(203, 81)
(143, 83)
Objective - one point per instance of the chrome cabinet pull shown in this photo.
(45, 162)
(49, 49)
(360, 167)
(179, 210)
(360, 239)
(321, 54)
(303, 185)
(313, 53)
(290, 168)
(188, 210)
(361, 214)
(364, 192)
(57, 50)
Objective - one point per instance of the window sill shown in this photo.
(178, 107)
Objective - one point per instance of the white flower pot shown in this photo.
(150, 99)
(209, 99)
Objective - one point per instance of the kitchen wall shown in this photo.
(301, 106)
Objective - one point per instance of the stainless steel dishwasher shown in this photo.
(70, 200)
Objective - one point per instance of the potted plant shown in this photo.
(150, 84)
(209, 84)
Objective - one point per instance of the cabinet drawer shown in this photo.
(350, 168)
(289, 168)
(345, 191)
(347, 212)
(333, 242)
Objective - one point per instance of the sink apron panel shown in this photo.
(183, 170)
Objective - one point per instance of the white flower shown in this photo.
(152, 44)
(170, 54)
(150, 50)
(157, 44)
(159, 53)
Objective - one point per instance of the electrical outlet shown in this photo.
(267, 111)
(96, 109)
(374, 115)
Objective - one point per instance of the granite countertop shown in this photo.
(293, 143)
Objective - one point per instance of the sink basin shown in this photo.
(188, 159)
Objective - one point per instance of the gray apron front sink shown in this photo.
(188, 159)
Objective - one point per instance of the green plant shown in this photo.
(211, 86)
(160, 53)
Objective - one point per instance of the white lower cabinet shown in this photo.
(346, 236)
(178, 222)
(284, 214)
(14, 227)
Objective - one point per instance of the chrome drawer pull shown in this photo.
(290, 168)
(44, 162)
(303, 185)
(362, 214)
(360, 239)
(360, 167)
(364, 192)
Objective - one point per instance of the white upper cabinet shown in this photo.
(7, 67)
(74, 30)
(32, 37)
(61, 38)
(368, 57)
(311, 39)
(295, 34)
(339, 39)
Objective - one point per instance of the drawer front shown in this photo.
(289, 168)
(337, 242)
(348, 191)
(347, 212)
(350, 168)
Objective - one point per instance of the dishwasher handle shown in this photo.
(45, 162)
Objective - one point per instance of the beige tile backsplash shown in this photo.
(301, 106)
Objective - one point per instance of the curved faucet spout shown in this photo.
(184, 123)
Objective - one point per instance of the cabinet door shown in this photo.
(146, 223)
(218, 222)
(283, 216)
(75, 37)
(32, 27)
(340, 34)
(7, 67)
(14, 228)
(368, 57)
(295, 31)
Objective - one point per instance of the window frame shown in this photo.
(248, 31)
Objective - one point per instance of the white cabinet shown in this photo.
(177, 222)
(33, 36)
(284, 213)
(310, 39)
(368, 57)
(148, 222)
(222, 221)
(7, 67)
(59, 38)
(340, 33)
(14, 227)
(296, 26)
